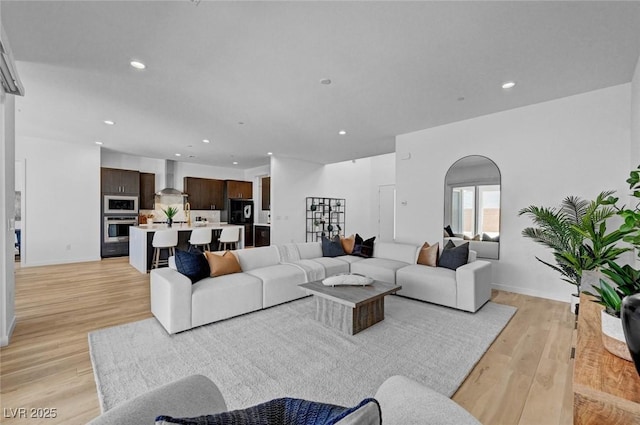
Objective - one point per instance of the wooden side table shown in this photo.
(606, 388)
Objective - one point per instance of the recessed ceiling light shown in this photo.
(269, 153)
(508, 84)
(325, 81)
(235, 162)
(178, 154)
(109, 122)
(342, 132)
(137, 65)
(98, 142)
(206, 141)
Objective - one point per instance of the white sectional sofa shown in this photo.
(270, 276)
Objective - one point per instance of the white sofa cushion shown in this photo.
(221, 297)
(332, 266)
(256, 258)
(378, 268)
(279, 283)
(309, 250)
(406, 253)
(433, 284)
(312, 270)
(350, 259)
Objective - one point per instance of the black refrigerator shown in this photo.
(241, 212)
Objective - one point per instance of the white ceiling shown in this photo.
(396, 67)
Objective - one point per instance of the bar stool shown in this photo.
(200, 237)
(229, 235)
(164, 239)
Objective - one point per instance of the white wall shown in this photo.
(635, 118)
(7, 213)
(358, 182)
(571, 146)
(294, 180)
(62, 201)
(7, 193)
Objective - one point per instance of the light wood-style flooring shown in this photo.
(524, 378)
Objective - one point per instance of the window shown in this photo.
(476, 210)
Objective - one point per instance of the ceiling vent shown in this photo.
(8, 75)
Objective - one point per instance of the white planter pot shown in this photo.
(613, 336)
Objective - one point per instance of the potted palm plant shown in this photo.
(621, 315)
(577, 234)
(625, 281)
(170, 212)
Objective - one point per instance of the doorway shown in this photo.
(387, 212)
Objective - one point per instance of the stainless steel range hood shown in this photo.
(169, 180)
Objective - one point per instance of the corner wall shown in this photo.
(7, 214)
(358, 181)
(571, 146)
(635, 118)
(62, 201)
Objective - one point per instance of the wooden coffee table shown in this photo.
(350, 308)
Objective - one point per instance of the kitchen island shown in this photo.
(140, 238)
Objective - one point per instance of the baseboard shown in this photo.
(531, 292)
(4, 340)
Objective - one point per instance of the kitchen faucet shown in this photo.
(187, 212)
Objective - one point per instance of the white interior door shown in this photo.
(387, 213)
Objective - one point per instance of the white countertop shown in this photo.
(262, 224)
(181, 226)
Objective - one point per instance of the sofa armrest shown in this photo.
(404, 401)
(192, 396)
(473, 285)
(171, 299)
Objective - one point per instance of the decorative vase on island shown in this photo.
(169, 222)
(630, 317)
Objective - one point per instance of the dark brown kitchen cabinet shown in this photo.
(237, 189)
(266, 193)
(248, 235)
(204, 194)
(147, 190)
(262, 235)
(116, 181)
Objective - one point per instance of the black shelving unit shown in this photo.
(325, 217)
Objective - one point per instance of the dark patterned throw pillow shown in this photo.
(288, 411)
(363, 248)
(194, 265)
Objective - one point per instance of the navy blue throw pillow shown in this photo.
(194, 265)
(281, 411)
(363, 248)
(332, 247)
(454, 257)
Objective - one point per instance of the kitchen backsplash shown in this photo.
(209, 215)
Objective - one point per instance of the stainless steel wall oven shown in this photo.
(116, 228)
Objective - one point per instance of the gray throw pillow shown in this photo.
(332, 247)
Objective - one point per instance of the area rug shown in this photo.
(283, 351)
